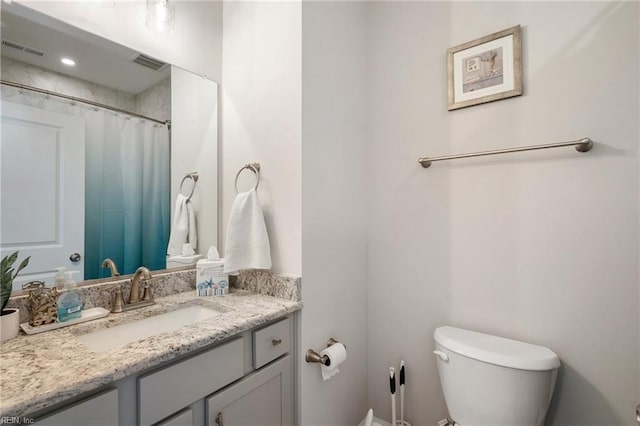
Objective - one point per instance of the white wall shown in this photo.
(195, 45)
(194, 148)
(261, 118)
(541, 247)
(334, 214)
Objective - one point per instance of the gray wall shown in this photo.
(334, 175)
(541, 247)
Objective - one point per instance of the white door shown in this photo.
(42, 190)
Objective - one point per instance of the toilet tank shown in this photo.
(493, 381)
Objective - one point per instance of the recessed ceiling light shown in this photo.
(67, 61)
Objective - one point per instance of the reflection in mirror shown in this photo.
(86, 175)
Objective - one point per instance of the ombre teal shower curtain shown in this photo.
(127, 185)
(127, 194)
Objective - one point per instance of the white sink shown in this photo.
(115, 337)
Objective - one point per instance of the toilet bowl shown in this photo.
(493, 381)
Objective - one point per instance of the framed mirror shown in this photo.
(101, 145)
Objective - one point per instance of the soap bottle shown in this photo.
(70, 301)
(60, 278)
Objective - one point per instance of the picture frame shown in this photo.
(486, 69)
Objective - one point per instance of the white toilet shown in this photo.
(493, 381)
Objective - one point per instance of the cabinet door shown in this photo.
(183, 418)
(166, 391)
(263, 398)
(97, 410)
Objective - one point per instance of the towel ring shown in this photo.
(255, 168)
(194, 177)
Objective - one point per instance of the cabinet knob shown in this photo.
(276, 342)
(219, 419)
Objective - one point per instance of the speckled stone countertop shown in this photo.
(40, 370)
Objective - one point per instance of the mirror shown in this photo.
(96, 173)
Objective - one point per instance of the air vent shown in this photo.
(149, 62)
(22, 48)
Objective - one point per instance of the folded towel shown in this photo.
(183, 229)
(247, 242)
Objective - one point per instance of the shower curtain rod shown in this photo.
(85, 101)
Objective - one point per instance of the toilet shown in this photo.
(493, 381)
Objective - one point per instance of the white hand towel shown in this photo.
(247, 242)
(183, 229)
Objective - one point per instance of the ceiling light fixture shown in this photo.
(159, 16)
(68, 61)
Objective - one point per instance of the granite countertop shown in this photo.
(40, 370)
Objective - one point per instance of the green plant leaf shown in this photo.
(23, 265)
(7, 275)
(7, 263)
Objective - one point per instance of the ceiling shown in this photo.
(97, 60)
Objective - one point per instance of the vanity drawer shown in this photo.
(271, 342)
(164, 392)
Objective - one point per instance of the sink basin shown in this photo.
(115, 337)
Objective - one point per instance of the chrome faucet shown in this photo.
(108, 263)
(134, 302)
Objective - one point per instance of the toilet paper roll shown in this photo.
(337, 354)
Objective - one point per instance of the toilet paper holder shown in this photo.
(313, 356)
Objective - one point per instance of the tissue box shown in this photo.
(210, 278)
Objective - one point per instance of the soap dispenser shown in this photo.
(70, 301)
(61, 277)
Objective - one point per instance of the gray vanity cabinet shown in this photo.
(101, 409)
(263, 398)
(183, 418)
(247, 380)
(164, 392)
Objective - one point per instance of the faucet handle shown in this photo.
(118, 302)
(147, 296)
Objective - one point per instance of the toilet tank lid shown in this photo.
(496, 350)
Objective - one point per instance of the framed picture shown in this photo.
(485, 70)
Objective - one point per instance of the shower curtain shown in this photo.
(127, 185)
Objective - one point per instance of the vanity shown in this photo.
(234, 367)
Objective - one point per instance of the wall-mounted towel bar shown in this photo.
(582, 145)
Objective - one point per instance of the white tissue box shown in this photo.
(210, 278)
